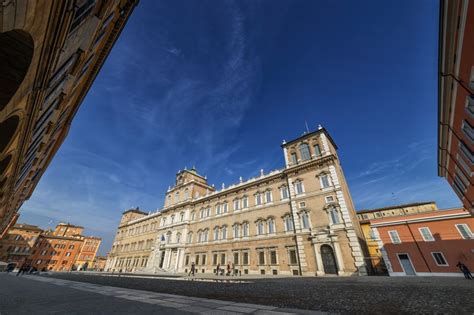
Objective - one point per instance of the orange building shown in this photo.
(56, 253)
(89, 249)
(456, 98)
(16, 246)
(426, 244)
(99, 263)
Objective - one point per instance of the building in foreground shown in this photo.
(456, 98)
(374, 259)
(16, 246)
(298, 220)
(61, 249)
(426, 244)
(50, 54)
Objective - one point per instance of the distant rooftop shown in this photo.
(407, 205)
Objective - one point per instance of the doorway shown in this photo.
(406, 264)
(329, 261)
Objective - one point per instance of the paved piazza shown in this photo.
(377, 295)
(28, 294)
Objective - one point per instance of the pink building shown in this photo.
(426, 244)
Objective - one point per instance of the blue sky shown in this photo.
(219, 85)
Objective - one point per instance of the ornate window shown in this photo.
(325, 181)
(190, 237)
(178, 237)
(163, 221)
(245, 202)
(268, 196)
(294, 160)
(299, 188)
(258, 198)
(236, 204)
(245, 229)
(193, 215)
(289, 226)
(216, 233)
(271, 225)
(208, 212)
(224, 232)
(236, 230)
(304, 220)
(206, 235)
(181, 217)
(168, 237)
(304, 151)
(260, 227)
(334, 215)
(284, 192)
(218, 209)
(224, 207)
(172, 219)
(317, 150)
(176, 197)
(186, 194)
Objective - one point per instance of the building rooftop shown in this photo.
(135, 210)
(407, 205)
(27, 227)
(422, 216)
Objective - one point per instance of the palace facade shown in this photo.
(299, 220)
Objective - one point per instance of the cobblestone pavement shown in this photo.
(377, 295)
(28, 294)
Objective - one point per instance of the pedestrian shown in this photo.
(193, 269)
(233, 269)
(228, 268)
(20, 271)
(218, 269)
(464, 270)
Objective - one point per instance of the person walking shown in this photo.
(193, 269)
(228, 268)
(464, 270)
(218, 269)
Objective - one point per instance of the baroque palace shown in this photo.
(299, 220)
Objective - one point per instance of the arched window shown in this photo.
(208, 212)
(181, 217)
(268, 196)
(163, 221)
(190, 237)
(216, 233)
(218, 209)
(245, 229)
(224, 232)
(224, 207)
(206, 235)
(258, 199)
(245, 202)
(304, 220)
(186, 194)
(317, 150)
(299, 188)
(178, 237)
(334, 214)
(260, 228)
(172, 219)
(294, 159)
(236, 204)
(193, 215)
(201, 213)
(176, 197)
(325, 181)
(284, 192)
(304, 151)
(289, 226)
(236, 230)
(271, 225)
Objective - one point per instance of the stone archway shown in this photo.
(329, 260)
(16, 52)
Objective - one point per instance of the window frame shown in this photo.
(441, 255)
(468, 229)
(431, 237)
(392, 239)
